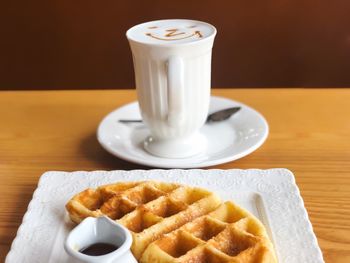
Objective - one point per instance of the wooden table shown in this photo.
(309, 134)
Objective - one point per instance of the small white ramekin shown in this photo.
(100, 230)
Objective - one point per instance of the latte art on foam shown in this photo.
(171, 31)
(174, 33)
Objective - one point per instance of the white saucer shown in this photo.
(228, 140)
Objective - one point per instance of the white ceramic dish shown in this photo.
(271, 195)
(228, 140)
(100, 230)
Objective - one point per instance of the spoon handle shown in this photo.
(129, 121)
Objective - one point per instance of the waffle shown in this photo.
(148, 209)
(176, 223)
(227, 235)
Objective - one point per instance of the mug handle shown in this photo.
(176, 91)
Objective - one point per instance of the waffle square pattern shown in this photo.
(177, 223)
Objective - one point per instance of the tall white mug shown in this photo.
(172, 64)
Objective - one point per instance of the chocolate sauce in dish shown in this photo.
(98, 249)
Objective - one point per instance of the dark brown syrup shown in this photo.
(98, 249)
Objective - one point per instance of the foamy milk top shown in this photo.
(171, 31)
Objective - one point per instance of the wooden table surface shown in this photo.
(309, 134)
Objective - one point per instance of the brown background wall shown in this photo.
(73, 44)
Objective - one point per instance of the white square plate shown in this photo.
(271, 195)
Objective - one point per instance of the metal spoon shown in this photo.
(220, 115)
